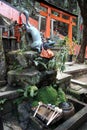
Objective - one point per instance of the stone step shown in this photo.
(76, 70)
(75, 81)
(7, 98)
(78, 91)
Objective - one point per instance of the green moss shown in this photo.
(47, 95)
(34, 103)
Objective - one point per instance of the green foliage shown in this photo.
(34, 103)
(61, 96)
(51, 64)
(40, 62)
(58, 62)
(61, 55)
(29, 91)
(15, 65)
(2, 101)
(49, 95)
(19, 100)
(75, 41)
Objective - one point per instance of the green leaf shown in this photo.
(26, 93)
(20, 90)
(33, 91)
(2, 101)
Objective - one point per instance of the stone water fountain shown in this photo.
(28, 68)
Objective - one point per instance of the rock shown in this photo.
(18, 57)
(11, 126)
(47, 77)
(30, 56)
(25, 120)
(23, 77)
(22, 60)
(24, 114)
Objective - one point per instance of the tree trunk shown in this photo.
(83, 7)
(81, 55)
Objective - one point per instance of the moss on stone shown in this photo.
(46, 95)
(49, 95)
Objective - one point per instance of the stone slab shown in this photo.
(79, 82)
(62, 76)
(75, 67)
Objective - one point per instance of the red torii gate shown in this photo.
(48, 14)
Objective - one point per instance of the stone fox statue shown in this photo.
(33, 32)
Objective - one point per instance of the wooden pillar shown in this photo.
(48, 21)
(70, 29)
(70, 34)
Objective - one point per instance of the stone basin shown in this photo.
(72, 123)
(78, 119)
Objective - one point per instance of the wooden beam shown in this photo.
(56, 10)
(43, 13)
(59, 18)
